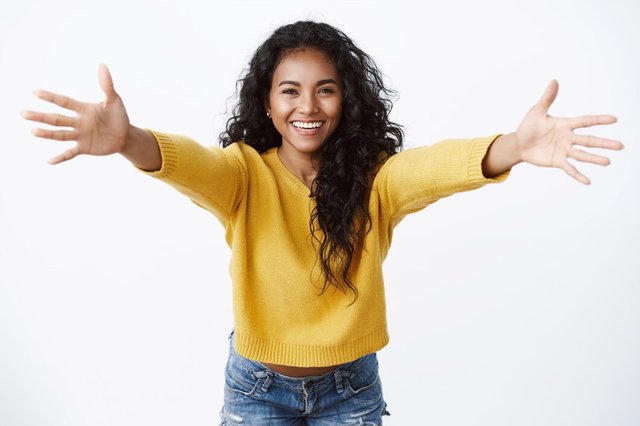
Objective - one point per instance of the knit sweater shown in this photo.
(280, 314)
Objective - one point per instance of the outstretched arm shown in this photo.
(548, 141)
(98, 129)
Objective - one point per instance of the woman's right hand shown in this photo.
(99, 129)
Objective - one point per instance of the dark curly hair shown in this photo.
(362, 141)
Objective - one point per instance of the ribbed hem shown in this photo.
(299, 355)
(167, 152)
(478, 151)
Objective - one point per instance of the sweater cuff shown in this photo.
(479, 149)
(168, 154)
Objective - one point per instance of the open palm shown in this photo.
(98, 128)
(548, 141)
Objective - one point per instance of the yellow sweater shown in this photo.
(279, 315)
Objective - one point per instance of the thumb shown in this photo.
(106, 82)
(548, 96)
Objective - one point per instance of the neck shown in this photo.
(304, 166)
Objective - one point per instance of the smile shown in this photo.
(303, 125)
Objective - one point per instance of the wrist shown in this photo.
(141, 148)
(502, 155)
(510, 148)
(129, 144)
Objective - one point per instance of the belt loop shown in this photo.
(338, 377)
(267, 382)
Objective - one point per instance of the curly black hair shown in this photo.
(364, 138)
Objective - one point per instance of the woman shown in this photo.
(309, 185)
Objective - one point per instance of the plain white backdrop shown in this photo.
(516, 304)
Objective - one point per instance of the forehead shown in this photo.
(305, 64)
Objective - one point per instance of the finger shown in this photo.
(65, 156)
(548, 96)
(106, 82)
(60, 100)
(597, 142)
(592, 120)
(53, 119)
(587, 157)
(59, 135)
(574, 173)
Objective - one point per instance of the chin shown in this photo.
(307, 147)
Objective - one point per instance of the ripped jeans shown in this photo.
(256, 395)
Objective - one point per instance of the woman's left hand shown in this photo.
(548, 141)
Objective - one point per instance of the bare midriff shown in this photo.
(290, 371)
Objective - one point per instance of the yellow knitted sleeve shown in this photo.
(413, 179)
(212, 177)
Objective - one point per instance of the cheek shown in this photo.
(281, 108)
(338, 114)
(334, 110)
(338, 107)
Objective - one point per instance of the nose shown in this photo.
(307, 103)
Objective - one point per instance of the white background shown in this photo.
(516, 304)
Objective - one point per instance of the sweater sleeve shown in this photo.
(411, 180)
(212, 177)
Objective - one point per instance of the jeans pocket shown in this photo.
(364, 390)
(242, 380)
(362, 381)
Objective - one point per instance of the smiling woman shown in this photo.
(305, 104)
(309, 185)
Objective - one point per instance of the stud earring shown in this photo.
(269, 114)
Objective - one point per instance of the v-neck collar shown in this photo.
(282, 170)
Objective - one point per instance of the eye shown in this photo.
(326, 90)
(289, 91)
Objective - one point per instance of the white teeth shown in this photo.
(304, 125)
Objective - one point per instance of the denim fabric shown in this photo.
(256, 395)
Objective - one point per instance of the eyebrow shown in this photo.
(319, 83)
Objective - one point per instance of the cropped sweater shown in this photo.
(280, 314)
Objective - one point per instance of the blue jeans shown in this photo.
(256, 395)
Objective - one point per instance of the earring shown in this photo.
(269, 114)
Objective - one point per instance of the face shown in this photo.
(305, 101)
